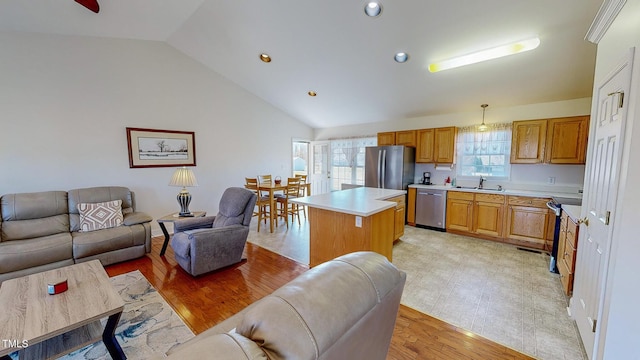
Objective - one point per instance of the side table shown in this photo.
(170, 219)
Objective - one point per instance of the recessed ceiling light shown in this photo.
(312, 93)
(373, 9)
(401, 57)
(265, 57)
(493, 53)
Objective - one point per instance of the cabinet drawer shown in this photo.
(569, 256)
(528, 201)
(566, 278)
(572, 233)
(491, 198)
(460, 195)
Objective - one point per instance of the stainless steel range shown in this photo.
(555, 204)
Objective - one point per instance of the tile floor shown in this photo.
(492, 289)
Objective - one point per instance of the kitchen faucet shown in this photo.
(481, 182)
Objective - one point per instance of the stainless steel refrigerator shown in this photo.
(389, 167)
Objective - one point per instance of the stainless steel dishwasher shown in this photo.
(431, 206)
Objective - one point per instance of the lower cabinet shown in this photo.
(411, 206)
(528, 221)
(399, 217)
(567, 246)
(475, 213)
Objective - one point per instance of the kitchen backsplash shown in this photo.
(542, 177)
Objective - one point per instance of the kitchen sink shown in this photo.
(477, 188)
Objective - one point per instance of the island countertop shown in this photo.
(362, 201)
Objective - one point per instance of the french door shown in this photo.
(320, 172)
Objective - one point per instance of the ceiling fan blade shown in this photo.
(90, 4)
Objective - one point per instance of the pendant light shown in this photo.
(482, 126)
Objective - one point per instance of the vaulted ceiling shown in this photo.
(331, 47)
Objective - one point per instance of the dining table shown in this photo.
(273, 188)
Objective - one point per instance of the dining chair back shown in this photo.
(286, 207)
(264, 179)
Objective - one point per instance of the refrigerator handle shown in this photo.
(384, 168)
(379, 168)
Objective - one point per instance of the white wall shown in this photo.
(65, 103)
(620, 328)
(568, 178)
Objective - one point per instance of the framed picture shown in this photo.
(161, 148)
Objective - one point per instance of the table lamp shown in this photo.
(184, 177)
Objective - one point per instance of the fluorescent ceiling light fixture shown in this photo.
(494, 53)
(372, 9)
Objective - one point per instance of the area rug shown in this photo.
(148, 327)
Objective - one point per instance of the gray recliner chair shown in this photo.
(209, 243)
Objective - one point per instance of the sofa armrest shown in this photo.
(136, 218)
(227, 346)
(193, 223)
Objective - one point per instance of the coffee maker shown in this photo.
(426, 178)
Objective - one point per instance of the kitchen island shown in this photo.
(351, 220)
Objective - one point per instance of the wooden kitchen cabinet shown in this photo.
(386, 138)
(436, 145)
(567, 140)
(528, 221)
(475, 213)
(411, 206)
(424, 148)
(528, 139)
(399, 216)
(406, 138)
(551, 141)
(488, 214)
(459, 215)
(567, 246)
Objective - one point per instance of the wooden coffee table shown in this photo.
(43, 326)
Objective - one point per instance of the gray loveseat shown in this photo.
(41, 231)
(345, 308)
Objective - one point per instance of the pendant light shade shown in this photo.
(482, 126)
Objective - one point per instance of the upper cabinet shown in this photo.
(406, 138)
(567, 140)
(386, 138)
(527, 141)
(552, 141)
(436, 145)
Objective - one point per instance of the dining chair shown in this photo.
(303, 191)
(286, 207)
(264, 179)
(252, 184)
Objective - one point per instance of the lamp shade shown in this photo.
(183, 177)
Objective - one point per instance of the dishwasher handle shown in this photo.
(429, 193)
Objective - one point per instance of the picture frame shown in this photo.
(160, 148)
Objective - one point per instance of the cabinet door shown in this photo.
(386, 138)
(411, 206)
(567, 140)
(528, 141)
(528, 224)
(399, 221)
(459, 215)
(424, 148)
(406, 138)
(445, 145)
(488, 218)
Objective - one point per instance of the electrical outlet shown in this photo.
(551, 180)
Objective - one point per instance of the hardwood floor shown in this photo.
(208, 299)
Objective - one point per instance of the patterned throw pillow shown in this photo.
(99, 216)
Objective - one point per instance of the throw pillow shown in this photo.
(97, 216)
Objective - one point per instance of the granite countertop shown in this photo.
(362, 201)
(533, 193)
(573, 211)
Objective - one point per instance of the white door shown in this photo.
(320, 172)
(601, 184)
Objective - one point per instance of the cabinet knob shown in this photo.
(584, 220)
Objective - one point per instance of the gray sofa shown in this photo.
(345, 308)
(41, 231)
